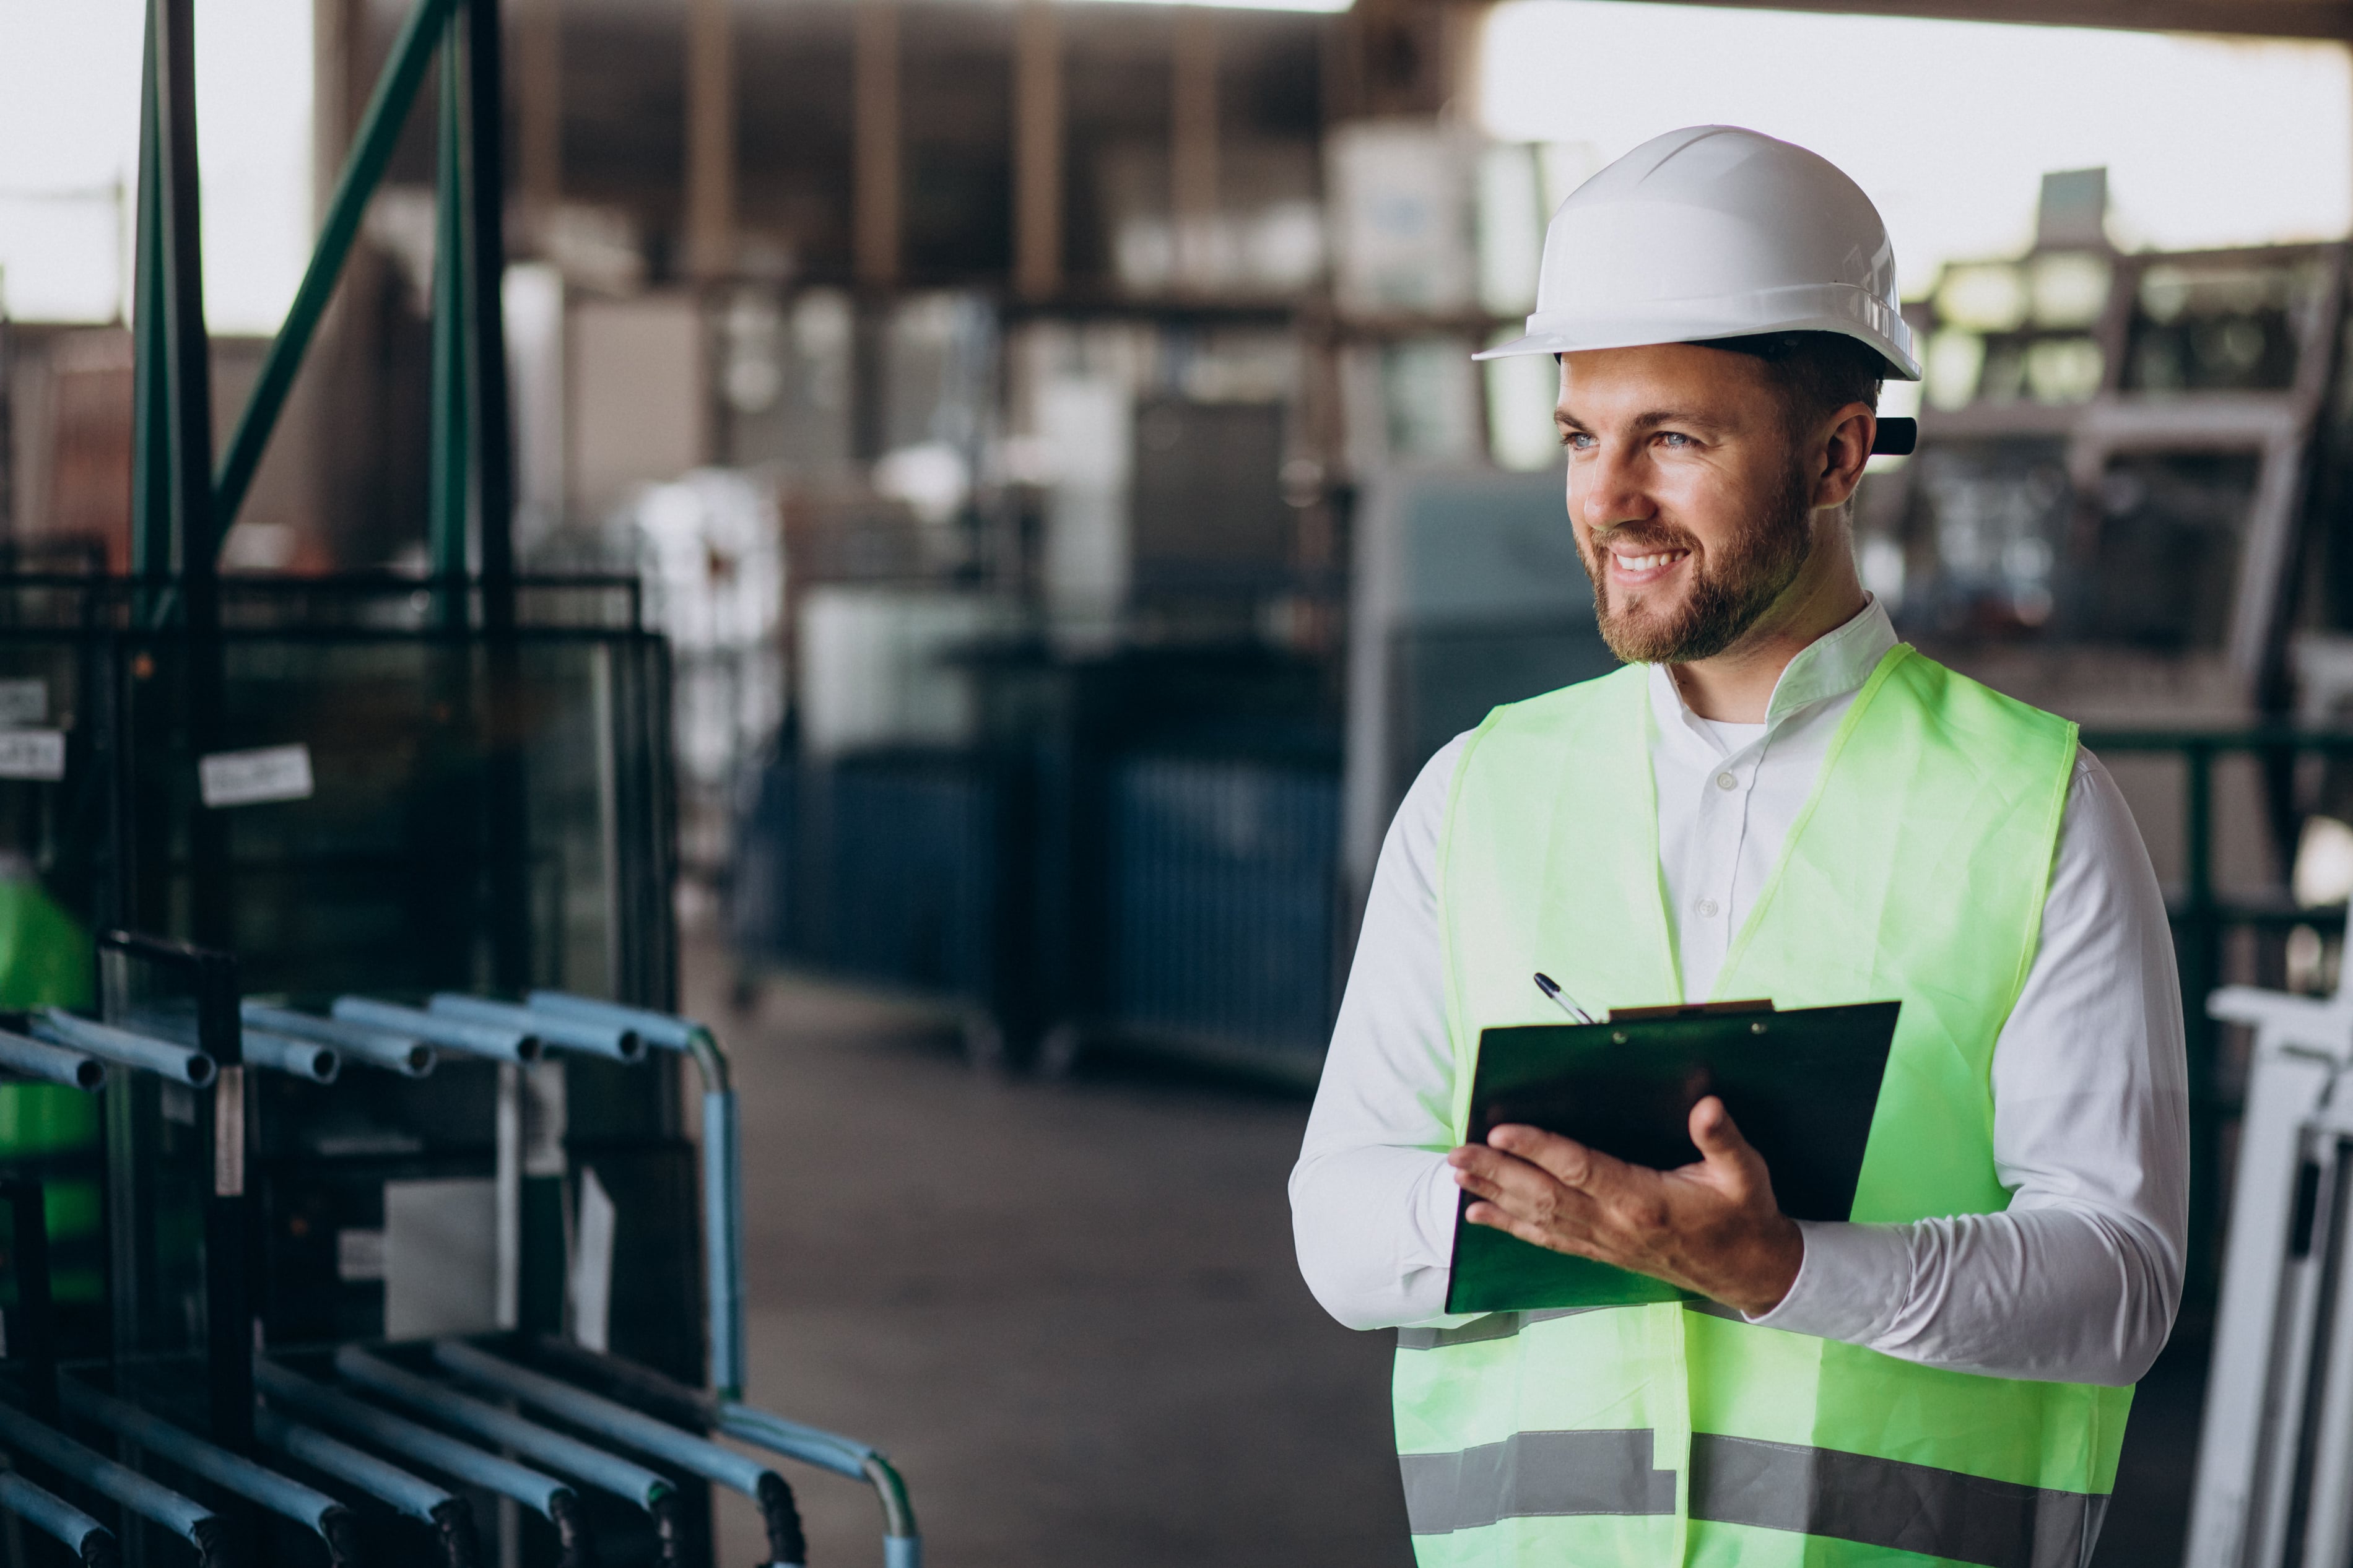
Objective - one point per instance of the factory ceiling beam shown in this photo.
(2325, 20)
(709, 140)
(876, 130)
(1193, 146)
(1038, 156)
(538, 112)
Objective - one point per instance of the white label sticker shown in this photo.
(32, 755)
(24, 702)
(249, 778)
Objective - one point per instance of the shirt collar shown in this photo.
(1832, 665)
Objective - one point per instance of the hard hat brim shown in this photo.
(1822, 308)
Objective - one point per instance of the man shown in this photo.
(1774, 798)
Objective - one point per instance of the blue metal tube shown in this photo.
(599, 1039)
(179, 1063)
(902, 1545)
(657, 1028)
(473, 1039)
(232, 1472)
(51, 1064)
(331, 1457)
(608, 1472)
(543, 1495)
(378, 1048)
(723, 1182)
(302, 1059)
(53, 1516)
(722, 1239)
(842, 1455)
(150, 1502)
(788, 1545)
(606, 1419)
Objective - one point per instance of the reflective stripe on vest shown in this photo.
(1771, 1486)
(1917, 870)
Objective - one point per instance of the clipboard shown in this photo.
(1802, 1086)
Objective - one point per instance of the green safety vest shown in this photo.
(1668, 1434)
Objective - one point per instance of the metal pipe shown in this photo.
(635, 1429)
(723, 1182)
(663, 1029)
(607, 1472)
(619, 1042)
(378, 1048)
(825, 1450)
(722, 1239)
(329, 1520)
(179, 1063)
(51, 1064)
(371, 146)
(119, 1483)
(902, 1544)
(53, 1516)
(302, 1059)
(460, 1035)
(405, 1494)
(276, 1051)
(543, 1494)
(645, 1388)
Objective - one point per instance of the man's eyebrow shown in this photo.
(1649, 420)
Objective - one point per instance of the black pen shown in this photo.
(1561, 999)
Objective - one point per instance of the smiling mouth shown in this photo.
(1648, 565)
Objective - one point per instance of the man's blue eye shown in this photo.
(1674, 437)
(1577, 440)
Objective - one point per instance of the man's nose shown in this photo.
(1608, 489)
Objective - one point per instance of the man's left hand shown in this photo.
(1710, 1227)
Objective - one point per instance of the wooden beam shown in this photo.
(874, 203)
(709, 140)
(334, 31)
(2325, 19)
(539, 110)
(1193, 145)
(1037, 149)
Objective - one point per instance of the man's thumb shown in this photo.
(1713, 1132)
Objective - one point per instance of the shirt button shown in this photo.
(1725, 781)
(1707, 909)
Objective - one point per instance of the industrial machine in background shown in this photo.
(2123, 456)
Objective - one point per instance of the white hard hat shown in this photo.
(1715, 232)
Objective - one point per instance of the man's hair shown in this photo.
(1816, 373)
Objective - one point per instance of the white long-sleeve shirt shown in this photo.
(2076, 1281)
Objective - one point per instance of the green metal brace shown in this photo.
(472, 462)
(372, 148)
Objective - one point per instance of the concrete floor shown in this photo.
(1068, 1312)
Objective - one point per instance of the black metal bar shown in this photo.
(150, 442)
(33, 1325)
(229, 1235)
(483, 163)
(482, 184)
(187, 379)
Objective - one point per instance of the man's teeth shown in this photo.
(1651, 563)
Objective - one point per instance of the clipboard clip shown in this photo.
(1692, 1010)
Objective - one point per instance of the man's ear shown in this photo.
(1846, 447)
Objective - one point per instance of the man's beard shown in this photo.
(1731, 587)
